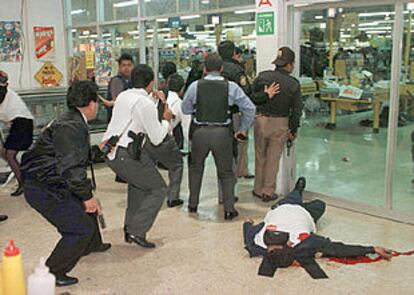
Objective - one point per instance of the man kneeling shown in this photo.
(288, 235)
(56, 183)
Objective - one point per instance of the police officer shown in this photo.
(234, 71)
(277, 120)
(56, 183)
(210, 100)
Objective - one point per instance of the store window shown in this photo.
(345, 72)
(216, 4)
(403, 184)
(82, 11)
(120, 9)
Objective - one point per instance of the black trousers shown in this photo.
(79, 230)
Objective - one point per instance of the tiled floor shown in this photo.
(203, 254)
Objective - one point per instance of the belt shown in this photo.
(211, 125)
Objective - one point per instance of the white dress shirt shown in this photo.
(293, 219)
(135, 110)
(14, 107)
(174, 103)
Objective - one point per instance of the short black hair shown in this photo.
(226, 49)
(238, 50)
(125, 56)
(142, 75)
(213, 62)
(168, 69)
(175, 83)
(81, 93)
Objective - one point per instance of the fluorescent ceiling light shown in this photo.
(126, 3)
(74, 30)
(162, 20)
(190, 16)
(83, 37)
(133, 32)
(94, 36)
(77, 11)
(86, 33)
(205, 2)
(318, 16)
(376, 28)
(368, 14)
(106, 35)
(245, 11)
(119, 38)
(369, 24)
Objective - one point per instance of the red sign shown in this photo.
(44, 42)
(265, 2)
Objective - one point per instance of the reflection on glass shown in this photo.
(403, 185)
(345, 71)
(83, 11)
(120, 9)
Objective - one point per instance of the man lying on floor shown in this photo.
(287, 234)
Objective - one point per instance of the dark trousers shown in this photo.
(168, 155)
(179, 136)
(316, 208)
(146, 190)
(79, 230)
(219, 141)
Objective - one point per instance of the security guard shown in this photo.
(209, 101)
(277, 120)
(234, 71)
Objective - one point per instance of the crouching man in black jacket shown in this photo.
(287, 234)
(56, 183)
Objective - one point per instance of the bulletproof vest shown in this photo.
(212, 104)
(127, 85)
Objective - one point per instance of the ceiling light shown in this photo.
(77, 11)
(126, 3)
(245, 11)
(190, 16)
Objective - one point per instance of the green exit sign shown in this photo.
(265, 23)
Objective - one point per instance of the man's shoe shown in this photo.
(18, 192)
(300, 185)
(174, 203)
(119, 179)
(102, 248)
(268, 198)
(230, 215)
(139, 241)
(192, 209)
(64, 280)
(249, 176)
(3, 217)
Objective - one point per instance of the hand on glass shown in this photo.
(92, 206)
(272, 90)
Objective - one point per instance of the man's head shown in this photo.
(83, 96)
(213, 63)
(285, 59)
(126, 64)
(176, 84)
(274, 239)
(238, 54)
(168, 69)
(3, 85)
(143, 77)
(226, 49)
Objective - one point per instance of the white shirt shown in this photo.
(174, 103)
(134, 110)
(293, 219)
(13, 107)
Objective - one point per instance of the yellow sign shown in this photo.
(49, 75)
(90, 60)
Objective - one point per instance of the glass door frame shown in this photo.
(294, 10)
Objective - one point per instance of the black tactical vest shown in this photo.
(212, 101)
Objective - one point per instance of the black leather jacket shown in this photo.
(234, 71)
(60, 156)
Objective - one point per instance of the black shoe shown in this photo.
(268, 198)
(249, 176)
(192, 209)
(230, 215)
(64, 280)
(119, 180)
(18, 192)
(3, 217)
(102, 248)
(300, 185)
(236, 199)
(174, 203)
(138, 240)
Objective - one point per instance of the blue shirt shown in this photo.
(236, 97)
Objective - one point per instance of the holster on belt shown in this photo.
(135, 147)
